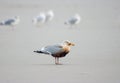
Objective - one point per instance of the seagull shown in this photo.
(11, 22)
(43, 18)
(40, 19)
(73, 20)
(57, 51)
(49, 16)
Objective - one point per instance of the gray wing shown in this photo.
(52, 49)
(72, 20)
(9, 21)
(40, 18)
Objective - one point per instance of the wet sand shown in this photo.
(94, 59)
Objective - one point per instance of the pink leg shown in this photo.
(56, 60)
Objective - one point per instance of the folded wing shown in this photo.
(53, 49)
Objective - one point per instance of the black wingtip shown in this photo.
(34, 51)
(38, 51)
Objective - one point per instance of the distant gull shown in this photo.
(39, 20)
(43, 18)
(11, 22)
(73, 20)
(57, 51)
(49, 15)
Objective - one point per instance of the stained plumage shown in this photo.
(57, 51)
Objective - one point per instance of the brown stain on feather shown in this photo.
(63, 53)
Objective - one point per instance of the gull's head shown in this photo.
(50, 12)
(17, 17)
(77, 16)
(66, 42)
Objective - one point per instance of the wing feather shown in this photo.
(9, 21)
(53, 49)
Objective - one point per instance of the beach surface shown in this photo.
(95, 58)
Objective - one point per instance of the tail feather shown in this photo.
(1, 23)
(42, 52)
(38, 51)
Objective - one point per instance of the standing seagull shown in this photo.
(73, 20)
(40, 19)
(57, 51)
(49, 16)
(11, 22)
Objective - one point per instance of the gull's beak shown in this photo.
(72, 44)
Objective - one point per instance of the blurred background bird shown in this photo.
(39, 20)
(49, 16)
(11, 21)
(73, 20)
(43, 18)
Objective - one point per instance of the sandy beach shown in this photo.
(95, 58)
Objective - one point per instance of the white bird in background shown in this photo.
(43, 18)
(57, 51)
(11, 22)
(73, 20)
(39, 20)
(49, 16)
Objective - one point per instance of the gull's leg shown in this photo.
(55, 60)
